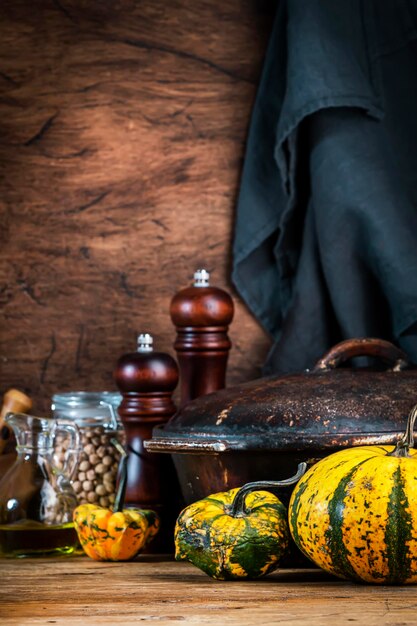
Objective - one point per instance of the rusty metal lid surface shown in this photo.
(324, 408)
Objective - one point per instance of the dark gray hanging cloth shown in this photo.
(326, 230)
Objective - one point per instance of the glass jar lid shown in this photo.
(88, 408)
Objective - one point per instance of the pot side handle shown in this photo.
(368, 346)
(193, 445)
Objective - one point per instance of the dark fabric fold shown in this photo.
(326, 230)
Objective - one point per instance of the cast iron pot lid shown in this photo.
(320, 409)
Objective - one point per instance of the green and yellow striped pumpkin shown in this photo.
(354, 513)
(241, 533)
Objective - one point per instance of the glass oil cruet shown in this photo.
(36, 497)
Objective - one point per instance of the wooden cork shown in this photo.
(14, 401)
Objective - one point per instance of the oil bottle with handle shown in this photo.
(36, 498)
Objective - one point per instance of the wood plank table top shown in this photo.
(76, 590)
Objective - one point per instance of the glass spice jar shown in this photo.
(95, 414)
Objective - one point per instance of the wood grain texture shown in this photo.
(122, 130)
(79, 591)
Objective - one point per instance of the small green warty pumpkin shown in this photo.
(354, 513)
(241, 533)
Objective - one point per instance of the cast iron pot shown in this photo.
(261, 430)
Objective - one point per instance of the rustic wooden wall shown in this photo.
(122, 128)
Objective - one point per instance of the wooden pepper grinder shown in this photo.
(146, 380)
(202, 315)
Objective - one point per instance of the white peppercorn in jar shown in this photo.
(95, 414)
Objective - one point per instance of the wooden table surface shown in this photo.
(76, 590)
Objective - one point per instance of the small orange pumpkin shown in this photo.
(115, 534)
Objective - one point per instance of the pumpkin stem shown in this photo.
(237, 508)
(121, 488)
(407, 440)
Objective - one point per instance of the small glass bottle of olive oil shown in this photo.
(36, 497)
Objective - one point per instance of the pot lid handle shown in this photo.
(350, 348)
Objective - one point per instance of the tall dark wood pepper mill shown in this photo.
(201, 315)
(146, 380)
